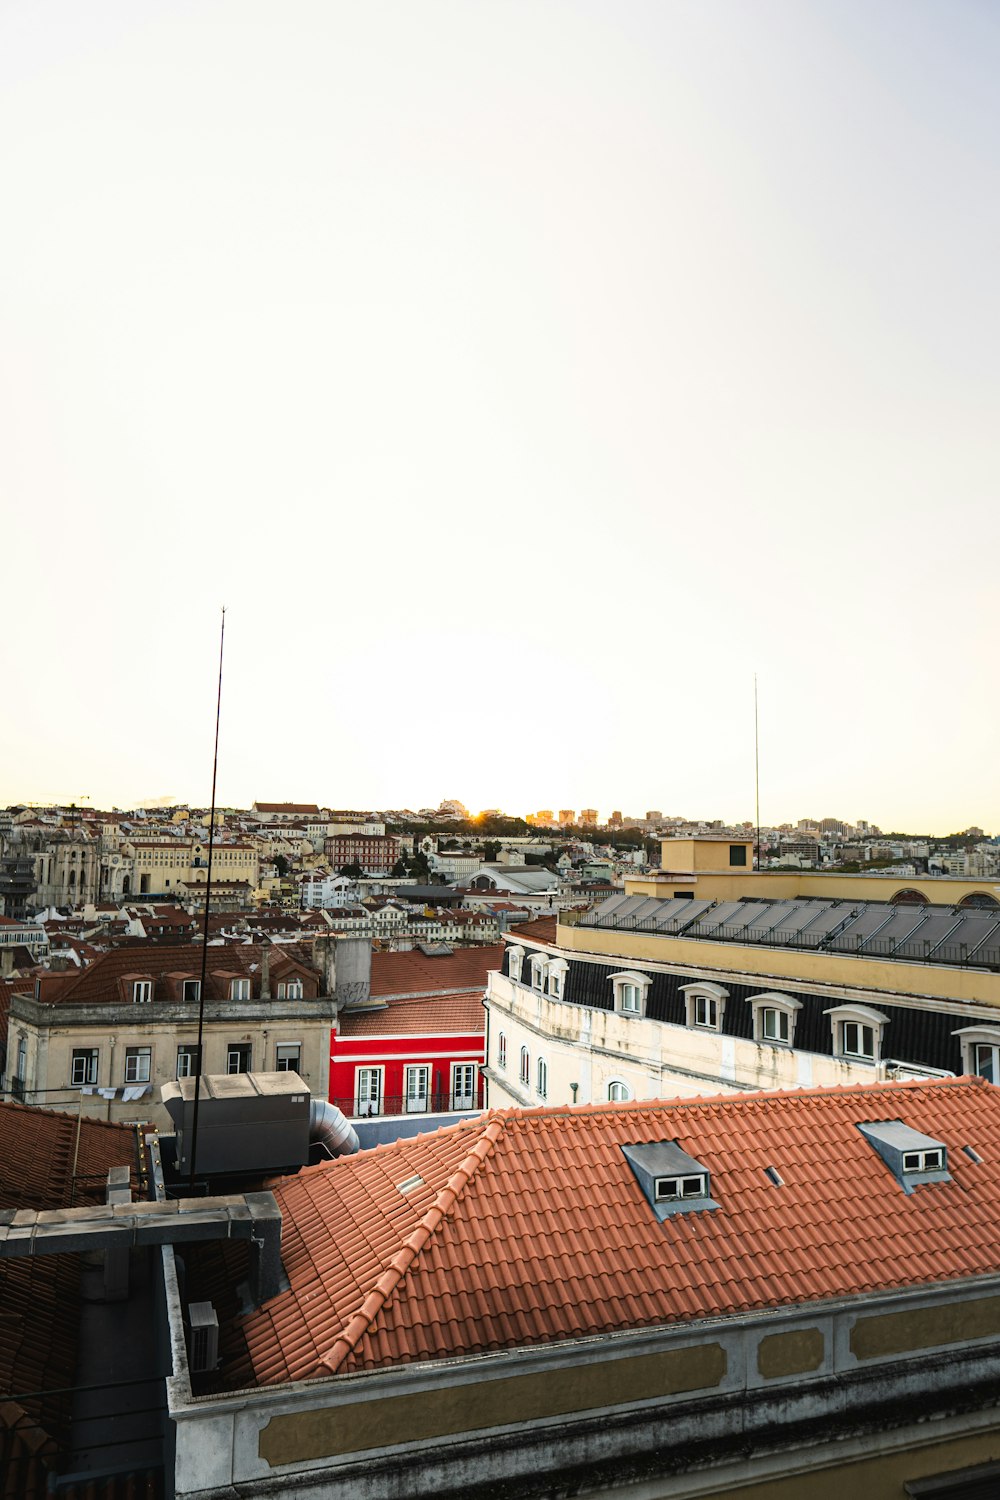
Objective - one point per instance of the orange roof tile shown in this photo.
(529, 1227)
(413, 973)
(460, 1014)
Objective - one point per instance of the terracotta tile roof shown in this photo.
(105, 980)
(414, 973)
(529, 1226)
(460, 1014)
(542, 930)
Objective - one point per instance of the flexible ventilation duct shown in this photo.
(329, 1125)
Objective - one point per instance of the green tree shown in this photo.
(353, 872)
(281, 865)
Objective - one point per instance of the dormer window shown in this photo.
(673, 1182)
(556, 977)
(191, 991)
(857, 1032)
(290, 990)
(142, 991)
(981, 1051)
(239, 989)
(630, 991)
(774, 1018)
(705, 1004)
(913, 1158)
(538, 968)
(515, 957)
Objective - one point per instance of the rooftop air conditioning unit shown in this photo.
(203, 1337)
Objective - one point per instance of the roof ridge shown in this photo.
(400, 1264)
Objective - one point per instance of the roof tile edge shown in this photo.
(357, 1325)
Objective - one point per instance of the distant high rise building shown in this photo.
(615, 820)
(654, 816)
(567, 817)
(588, 817)
(544, 817)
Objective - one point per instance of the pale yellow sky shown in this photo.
(523, 377)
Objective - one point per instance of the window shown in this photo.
(538, 968)
(187, 1061)
(501, 1051)
(525, 1066)
(738, 854)
(542, 1078)
(981, 1051)
(138, 1061)
(463, 1085)
(84, 1065)
(923, 1161)
(417, 1089)
(669, 1189)
(774, 1024)
(142, 991)
(190, 994)
(705, 1005)
(290, 990)
(857, 1032)
(630, 992)
(617, 1092)
(557, 977)
(368, 1088)
(239, 989)
(774, 1018)
(238, 1057)
(287, 1057)
(706, 1011)
(858, 1040)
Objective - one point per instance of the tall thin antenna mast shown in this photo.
(208, 894)
(756, 765)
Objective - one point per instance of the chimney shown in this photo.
(265, 974)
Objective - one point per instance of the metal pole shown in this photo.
(208, 893)
(756, 765)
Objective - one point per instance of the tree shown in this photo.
(420, 870)
(281, 865)
(399, 869)
(353, 872)
(490, 851)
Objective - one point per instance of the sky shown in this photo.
(523, 377)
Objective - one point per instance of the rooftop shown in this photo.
(457, 1014)
(529, 1227)
(417, 973)
(968, 936)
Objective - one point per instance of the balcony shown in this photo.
(402, 1104)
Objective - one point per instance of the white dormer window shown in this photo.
(981, 1051)
(857, 1032)
(556, 977)
(774, 1018)
(705, 1004)
(290, 990)
(142, 991)
(239, 989)
(923, 1161)
(191, 991)
(539, 966)
(515, 958)
(630, 990)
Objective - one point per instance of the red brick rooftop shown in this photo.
(529, 1227)
(460, 1014)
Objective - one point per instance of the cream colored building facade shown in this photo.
(160, 867)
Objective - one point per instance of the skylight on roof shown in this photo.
(912, 1157)
(672, 1181)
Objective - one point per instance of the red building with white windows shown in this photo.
(376, 855)
(416, 1047)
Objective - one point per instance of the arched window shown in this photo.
(514, 960)
(705, 1004)
(857, 1032)
(501, 1050)
(542, 1078)
(980, 899)
(618, 1092)
(774, 1018)
(556, 977)
(909, 898)
(525, 1066)
(630, 990)
(539, 965)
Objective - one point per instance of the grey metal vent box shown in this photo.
(247, 1122)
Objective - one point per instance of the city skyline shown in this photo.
(523, 379)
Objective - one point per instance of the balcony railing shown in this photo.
(404, 1104)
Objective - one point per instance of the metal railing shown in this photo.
(402, 1104)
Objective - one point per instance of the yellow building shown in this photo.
(160, 867)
